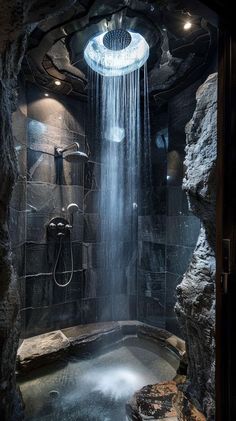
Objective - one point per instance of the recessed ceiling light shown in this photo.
(187, 25)
(60, 117)
(57, 82)
(46, 94)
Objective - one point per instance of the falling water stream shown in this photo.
(123, 139)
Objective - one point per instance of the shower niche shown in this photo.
(134, 235)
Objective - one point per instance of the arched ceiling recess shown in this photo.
(177, 56)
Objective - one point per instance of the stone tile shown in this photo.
(43, 319)
(182, 230)
(91, 201)
(152, 257)
(49, 198)
(41, 166)
(37, 259)
(77, 231)
(96, 283)
(41, 290)
(58, 111)
(17, 227)
(18, 199)
(40, 258)
(21, 289)
(120, 307)
(102, 255)
(89, 310)
(45, 137)
(159, 200)
(93, 255)
(18, 259)
(72, 173)
(177, 201)
(92, 175)
(104, 309)
(178, 259)
(19, 127)
(74, 291)
(21, 156)
(151, 284)
(91, 282)
(151, 310)
(37, 226)
(38, 291)
(152, 228)
(92, 228)
(133, 307)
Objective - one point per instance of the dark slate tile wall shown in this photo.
(152, 226)
(167, 231)
(51, 186)
(17, 209)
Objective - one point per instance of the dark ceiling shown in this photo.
(177, 57)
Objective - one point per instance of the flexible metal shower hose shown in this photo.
(56, 263)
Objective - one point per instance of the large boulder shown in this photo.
(195, 306)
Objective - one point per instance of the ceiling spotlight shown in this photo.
(187, 25)
(46, 94)
(57, 82)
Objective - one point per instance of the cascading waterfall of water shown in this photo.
(116, 127)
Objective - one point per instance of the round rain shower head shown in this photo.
(117, 39)
(104, 55)
(75, 156)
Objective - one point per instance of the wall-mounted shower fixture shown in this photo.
(71, 156)
(59, 230)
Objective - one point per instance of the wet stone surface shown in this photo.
(96, 388)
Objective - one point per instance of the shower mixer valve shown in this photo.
(59, 227)
(59, 238)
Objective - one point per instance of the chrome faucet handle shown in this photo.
(60, 234)
(60, 225)
(68, 226)
(52, 225)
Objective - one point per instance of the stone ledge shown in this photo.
(86, 339)
(41, 349)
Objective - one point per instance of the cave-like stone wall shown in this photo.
(196, 294)
(16, 20)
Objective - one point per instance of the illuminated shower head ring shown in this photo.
(116, 53)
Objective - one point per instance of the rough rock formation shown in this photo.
(185, 410)
(196, 294)
(17, 18)
(153, 402)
